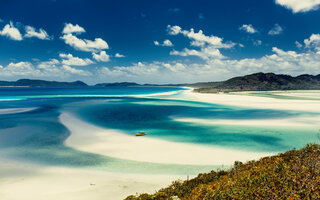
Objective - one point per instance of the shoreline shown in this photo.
(249, 101)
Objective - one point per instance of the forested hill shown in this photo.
(262, 81)
(40, 83)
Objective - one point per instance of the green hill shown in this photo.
(261, 81)
(291, 175)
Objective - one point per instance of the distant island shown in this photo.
(253, 82)
(291, 175)
(41, 83)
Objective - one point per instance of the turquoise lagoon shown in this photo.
(38, 136)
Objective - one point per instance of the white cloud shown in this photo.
(299, 5)
(173, 30)
(85, 45)
(276, 30)
(209, 45)
(118, 55)
(102, 56)
(31, 32)
(45, 69)
(248, 28)
(216, 67)
(11, 32)
(166, 43)
(70, 28)
(20, 68)
(68, 59)
(313, 42)
(76, 71)
(205, 53)
(279, 61)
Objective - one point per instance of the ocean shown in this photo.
(31, 130)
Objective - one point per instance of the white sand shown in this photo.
(112, 143)
(307, 121)
(23, 181)
(241, 99)
(15, 110)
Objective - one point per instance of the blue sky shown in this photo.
(157, 41)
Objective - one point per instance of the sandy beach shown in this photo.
(115, 144)
(25, 181)
(243, 100)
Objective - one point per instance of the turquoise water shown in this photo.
(38, 136)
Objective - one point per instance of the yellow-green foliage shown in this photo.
(291, 175)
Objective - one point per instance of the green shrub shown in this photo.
(291, 175)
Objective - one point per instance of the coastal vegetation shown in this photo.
(291, 175)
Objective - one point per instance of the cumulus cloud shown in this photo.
(199, 39)
(45, 69)
(76, 71)
(208, 46)
(85, 45)
(95, 45)
(102, 56)
(279, 61)
(11, 32)
(70, 28)
(18, 69)
(299, 5)
(118, 55)
(31, 32)
(248, 28)
(313, 42)
(173, 30)
(276, 30)
(69, 59)
(217, 67)
(165, 43)
(205, 53)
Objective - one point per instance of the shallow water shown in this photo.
(38, 136)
